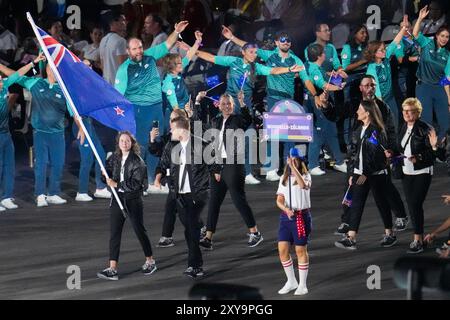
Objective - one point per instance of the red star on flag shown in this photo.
(119, 111)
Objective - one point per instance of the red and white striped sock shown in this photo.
(288, 267)
(303, 273)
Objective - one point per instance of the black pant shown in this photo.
(416, 189)
(170, 216)
(378, 185)
(393, 198)
(232, 178)
(136, 215)
(189, 213)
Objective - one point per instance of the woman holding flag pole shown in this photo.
(368, 167)
(241, 77)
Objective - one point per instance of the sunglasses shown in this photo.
(285, 40)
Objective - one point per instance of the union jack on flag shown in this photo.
(56, 49)
(90, 93)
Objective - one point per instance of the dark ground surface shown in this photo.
(37, 246)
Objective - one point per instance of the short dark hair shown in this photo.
(113, 16)
(281, 34)
(314, 52)
(156, 18)
(367, 76)
(318, 26)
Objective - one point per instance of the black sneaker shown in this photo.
(149, 268)
(401, 224)
(194, 273)
(202, 232)
(388, 240)
(342, 229)
(206, 243)
(415, 247)
(108, 274)
(346, 243)
(254, 239)
(165, 242)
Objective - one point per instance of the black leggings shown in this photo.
(378, 185)
(136, 217)
(393, 198)
(233, 179)
(416, 189)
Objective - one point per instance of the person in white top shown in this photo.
(113, 47)
(92, 51)
(419, 146)
(293, 198)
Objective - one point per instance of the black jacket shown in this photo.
(135, 174)
(420, 144)
(198, 170)
(234, 122)
(350, 112)
(374, 159)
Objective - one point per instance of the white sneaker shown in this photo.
(288, 287)
(301, 291)
(317, 172)
(83, 197)
(2, 209)
(41, 201)
(272, 175)
(56, 200)
(9, 203)
(102, 193)
(341, 167)
(250, 179)
(155, 190)
(165, 189)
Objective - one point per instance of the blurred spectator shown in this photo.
(113, 47)
(55, 29)
(299, 22)
(229, 48)
(8, 46)
(200, 17)
(154, 25)
(274, 9)
(436, 18)
(91, 52)
(77, 44)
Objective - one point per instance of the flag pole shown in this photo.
(72, 106)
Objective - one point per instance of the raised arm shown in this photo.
(423, 13)
(192, 50)
(24, 70)
(206, 56)
(173, 37)
(226, 32)
(5, 70)
(281, 70)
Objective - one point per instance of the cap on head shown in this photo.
(295, 153)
